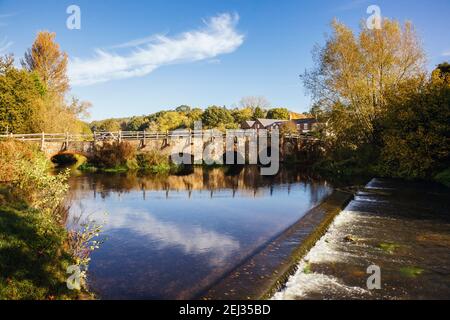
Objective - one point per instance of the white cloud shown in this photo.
(5, 45)
(219, 36)
(446, 54)
(191, 239)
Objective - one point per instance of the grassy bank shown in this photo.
(33, 258)
(35, 248)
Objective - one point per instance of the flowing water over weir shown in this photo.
(404, 228)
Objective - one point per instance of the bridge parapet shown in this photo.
(56, 143)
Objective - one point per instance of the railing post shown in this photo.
(120, 136)
(95, 136)
(145, 140)
(67, 140)
(42, 141)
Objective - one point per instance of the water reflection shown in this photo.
(170, 237)
(190, 239)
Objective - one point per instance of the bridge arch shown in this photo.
(67, 157)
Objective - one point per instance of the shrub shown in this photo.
(37, 187)
(26, 170)
(416, 134)
(154, 161)
(11, 152)
(151, 158)
(112, 154)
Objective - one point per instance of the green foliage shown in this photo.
(183, 109)
(109, 125)
(112, 154)
(258, 113)
(21, 99)
(416, 133)
(217, 117)
(278, 113)
(154, 162)
(169, 121)
(241, 115)
(33, 263)
(33, 258)
(137, 124)
(37, 187)
(411, 272)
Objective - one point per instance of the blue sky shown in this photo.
(137, 57)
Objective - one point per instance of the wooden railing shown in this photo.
(122, 135)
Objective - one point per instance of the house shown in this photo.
(247, 124)
(268, 124)
(305, 125)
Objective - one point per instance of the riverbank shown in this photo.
(402, 227)
(33, 259)
(35, 247)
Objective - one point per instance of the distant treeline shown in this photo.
(251, 108)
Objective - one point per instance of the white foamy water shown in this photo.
(304, 284)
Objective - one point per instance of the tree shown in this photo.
(194, 115)
(49, 62)
(278, 113)
(183, 109)
(108, 125)
(218, 117)
(416, 135)
(442, 73)
(169, 121)
(288, 128)
(259, 113)
(357, 73)
(254, 102)
(241, 115)
(21, 98)
(136, 124)
(444, 68)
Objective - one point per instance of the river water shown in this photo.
(402, 228)
(172, 237)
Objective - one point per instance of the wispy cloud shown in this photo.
(218, 36)
(4, 16)
(5, 45)
(446, 53)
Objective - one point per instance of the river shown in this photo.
(402, 228)
(171, 237)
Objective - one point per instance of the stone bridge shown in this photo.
(172, 144)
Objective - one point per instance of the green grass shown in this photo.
(411, 272)
(32, 259)
(389, 247)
